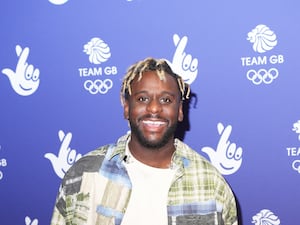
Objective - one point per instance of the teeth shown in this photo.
(153, 123)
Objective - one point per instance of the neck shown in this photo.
(155, 157)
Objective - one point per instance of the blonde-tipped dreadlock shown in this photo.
(150, 64)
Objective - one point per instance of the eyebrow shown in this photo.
(162, 93)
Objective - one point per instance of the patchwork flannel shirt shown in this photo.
(96, 190)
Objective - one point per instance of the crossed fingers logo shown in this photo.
(98, 86)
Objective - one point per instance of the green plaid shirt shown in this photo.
(96, 190)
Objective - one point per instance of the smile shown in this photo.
(25, 89)
(226, 168)
(153, 123)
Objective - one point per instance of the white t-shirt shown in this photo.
(148, 200)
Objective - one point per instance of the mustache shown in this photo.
(152, 116)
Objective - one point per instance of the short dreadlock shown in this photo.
(150, 64)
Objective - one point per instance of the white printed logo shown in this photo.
(66, 156)
(265, 217)
(98, 86)
(227, 158)
(263, 38)
(296, 128)
(28, 221)
(183, 64)
(3, 163)
(97, 50)
(294, 152)
(25, 79)
(58, 2)
(99, 53)
(262, 76)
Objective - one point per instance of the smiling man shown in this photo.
(148, 176)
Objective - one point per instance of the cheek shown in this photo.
(135, 110)
(174, 113)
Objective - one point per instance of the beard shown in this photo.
(169, 134)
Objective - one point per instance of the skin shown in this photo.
(153, 110)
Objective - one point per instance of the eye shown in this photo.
(186, 62)
(71, 157)
(165, 100)
(231, 151)
(194, 65)
(238, 153)
(29, 72)
(142, 99)
(35, 75)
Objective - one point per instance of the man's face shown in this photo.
(153, 109)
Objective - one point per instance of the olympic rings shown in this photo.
(296, 167)
(98, 86)
(262, 75)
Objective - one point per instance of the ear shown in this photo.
(180, 112)
(124, 103)
(125, 108)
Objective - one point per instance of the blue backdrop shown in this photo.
(61, 66)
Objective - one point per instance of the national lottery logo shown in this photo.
(24, 78)
(265, 217)
(29, 221)
(294, 151)
(98, 79)
(227, 156)
(183, 64)
(66, 156)
(262, 68)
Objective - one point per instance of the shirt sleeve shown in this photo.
(59, 212)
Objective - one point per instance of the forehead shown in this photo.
(151, 82)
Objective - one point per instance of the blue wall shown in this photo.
(61, 66)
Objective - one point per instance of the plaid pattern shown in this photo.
(96, 190)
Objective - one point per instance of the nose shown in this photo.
(154, 106)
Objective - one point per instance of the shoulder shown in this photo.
(196, 163)
(185, 151)
(90, 162)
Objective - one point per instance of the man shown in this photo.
(148, 176)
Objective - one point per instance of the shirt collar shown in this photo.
(179, 158)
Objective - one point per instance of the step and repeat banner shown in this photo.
(61, 67)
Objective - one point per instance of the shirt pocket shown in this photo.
(213, 218)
